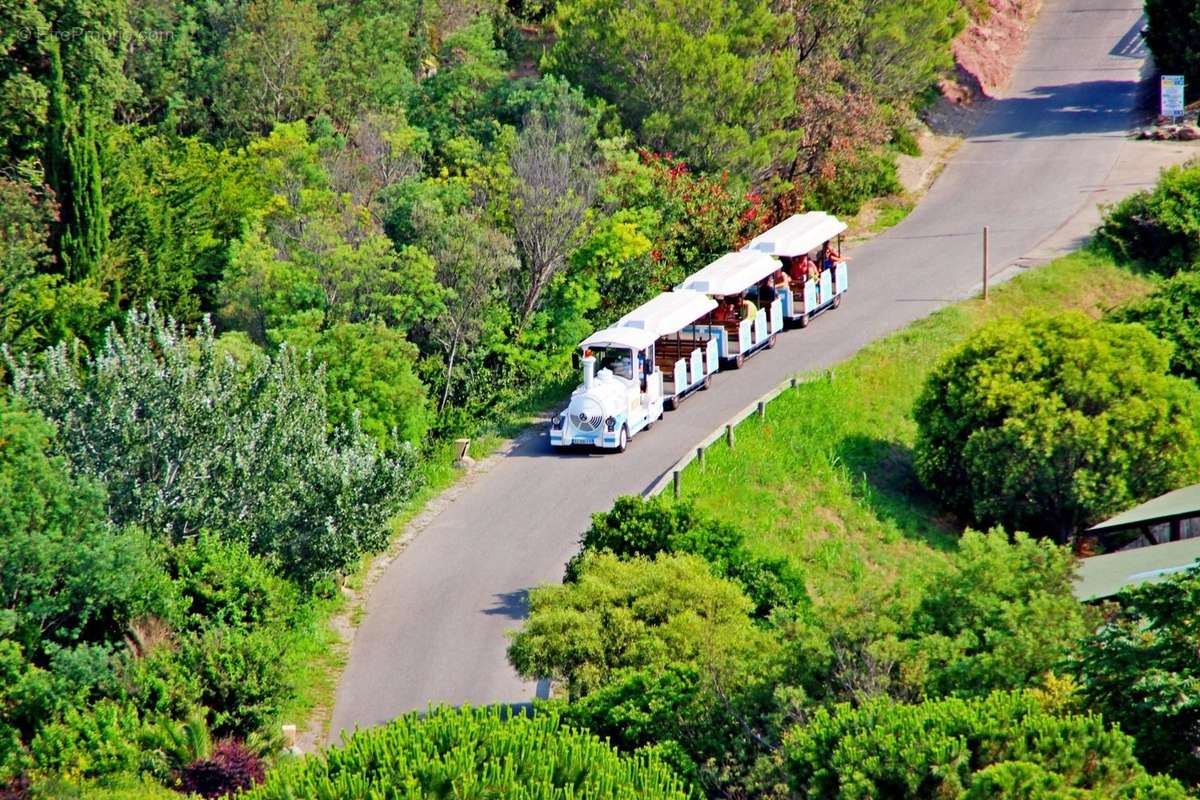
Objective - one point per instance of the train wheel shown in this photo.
(772, 340)
(623, 440)
(802, 320)
(707, 382)
(670, 403)
(837, 300)
(738, 361)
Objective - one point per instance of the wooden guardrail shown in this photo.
(674, 476)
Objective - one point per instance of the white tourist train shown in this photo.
(649, 360)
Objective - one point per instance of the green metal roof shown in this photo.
(1103, 576)
(1179, 504)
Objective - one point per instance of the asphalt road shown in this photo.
(434, 630)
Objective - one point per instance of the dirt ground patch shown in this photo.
(984, 57)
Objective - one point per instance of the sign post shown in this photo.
(1171, 94)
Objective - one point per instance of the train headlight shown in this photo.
(557, 422)
(611, 424)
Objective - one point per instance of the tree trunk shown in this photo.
(449, 372)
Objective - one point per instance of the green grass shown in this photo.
(890, 212)
(827, 478)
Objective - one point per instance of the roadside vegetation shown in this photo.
(262, 262)
(852, 635)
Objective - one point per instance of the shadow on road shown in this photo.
(514, 605)
(1076, 109)
(1132, 45)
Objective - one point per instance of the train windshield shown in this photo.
(617, 359)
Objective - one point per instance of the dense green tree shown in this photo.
(454, 103)
(271, 70)
(955, 748)
(67, 577)
(23, 97)
(637, 527)
(1172, 313)
(484, 752)
(1140, 670)
(179, 208)
(370, 371)
(72, 162)
(635, 613)
(390, 35)
(710, 80)
(27, 281)
(475, 268)
(1173, 35)
(184, 439)
(999, 616)
(1049, 424)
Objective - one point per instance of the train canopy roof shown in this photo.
(633, 338)
(731, 273)
(669, 312)
(798, 234)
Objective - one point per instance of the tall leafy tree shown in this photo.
(710, 79)
(271, 72)
(1140, 670)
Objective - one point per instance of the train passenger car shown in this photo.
(733, 279)
(819, 275)
(685, 353)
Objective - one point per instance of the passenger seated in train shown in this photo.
(724, 312)
(780, 280)
(829, 256)
(766, 292)
(746, 307)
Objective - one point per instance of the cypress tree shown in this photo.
(58, 168)
(73, 172)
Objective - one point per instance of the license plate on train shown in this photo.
(577, 440)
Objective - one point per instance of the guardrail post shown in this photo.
(729, 436)
(675, 482)
(795, 382)
(762, 410)
(700, 456)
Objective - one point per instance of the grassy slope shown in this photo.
(827, 478)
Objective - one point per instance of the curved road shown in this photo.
(1034, 168)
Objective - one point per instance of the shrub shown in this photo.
(1049, 424)
(635, 527)
(945, 748)
(474, 753)
(856, 178)
(240, 675)
(1172, 314)
(92, 742)
(1158, 228)
(223, 583)
(230, 768)
(185, 439)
